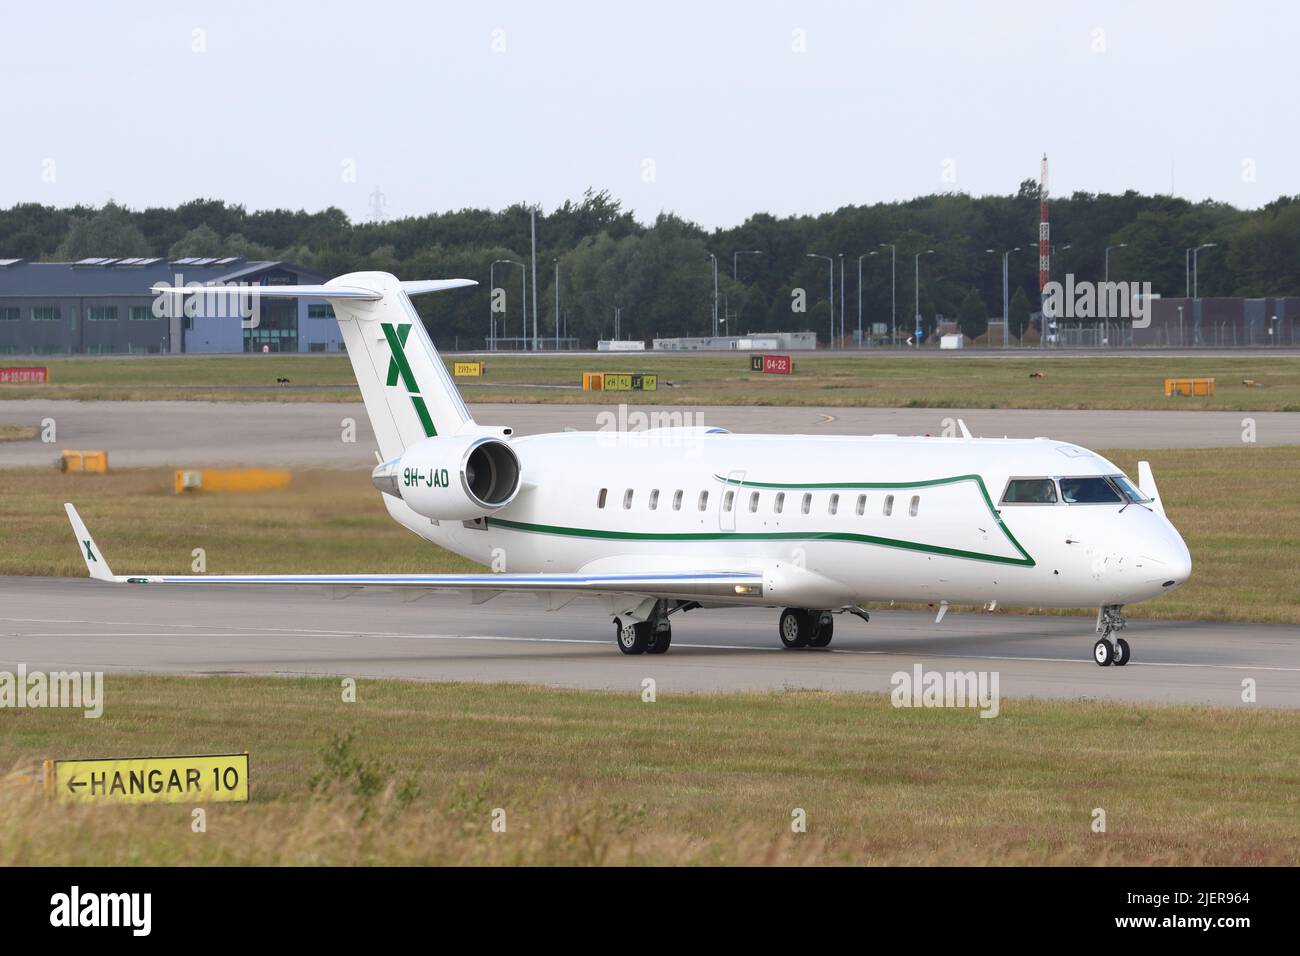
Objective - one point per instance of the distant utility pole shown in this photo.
(557, 305)
(533, 216)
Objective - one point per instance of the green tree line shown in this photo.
(660, 275)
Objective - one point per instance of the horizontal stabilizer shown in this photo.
(275, 291)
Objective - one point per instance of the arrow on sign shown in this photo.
(74, 785)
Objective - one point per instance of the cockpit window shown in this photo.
(1030, 491)
(1129, 490)
(1088, 491)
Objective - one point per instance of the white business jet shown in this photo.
(656, 522)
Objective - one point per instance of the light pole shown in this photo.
(522, 288)
(830, 300)
(841, 298)
(893, 289)
(860, 258)
(1006, 310)
(1204, 245)
(557, 305)
(715, 294)
(1122, 245)
(742, 252)
(734, 274)
(916, 281)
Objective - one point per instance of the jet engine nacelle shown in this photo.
(458, 478)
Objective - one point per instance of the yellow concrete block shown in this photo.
(232, 480)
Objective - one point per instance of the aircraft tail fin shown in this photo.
(408, 392)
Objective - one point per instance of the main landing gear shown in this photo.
(651, 636)
(800, 627)
(1109, 651)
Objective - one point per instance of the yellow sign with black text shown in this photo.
(468, 369)
(202, 778)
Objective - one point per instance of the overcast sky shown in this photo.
(711, 110)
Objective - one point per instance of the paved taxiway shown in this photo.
(307, 434)
(59, 623)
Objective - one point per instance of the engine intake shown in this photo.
(452, 479)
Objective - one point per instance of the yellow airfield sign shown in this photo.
(469, 369)
(202, 778)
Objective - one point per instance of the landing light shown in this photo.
(748, 589)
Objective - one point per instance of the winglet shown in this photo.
(1147, 485)
(90, 553)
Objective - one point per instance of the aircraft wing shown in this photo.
(684, 584)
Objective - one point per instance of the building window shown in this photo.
(46, 313)
(141, 313)
(101, 313)
(10, 313)
(320, 312)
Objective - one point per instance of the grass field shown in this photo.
(417, 770)
(10, 432)
(933, 381)
(1236, 507)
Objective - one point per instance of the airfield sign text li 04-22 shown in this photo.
(204, 778)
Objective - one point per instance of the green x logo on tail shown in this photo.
(90, 555)
(399, 367)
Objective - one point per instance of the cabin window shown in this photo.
(889, 505)
(1030, 491)
(915, 506)
(1129, 490)
(833, 505)
(1088, 491)
(600, 498)
(753, 502)
(862, 504)
(728, 499)
(627, 499)
(778, 503)
(654, 500)
(807, 503)
(704, 500)
(677, 500)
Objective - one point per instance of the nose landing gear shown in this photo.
(1107, 651)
